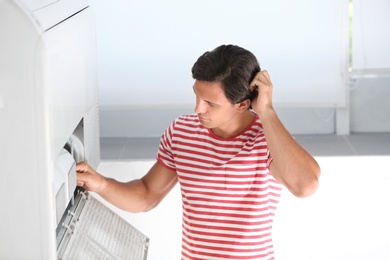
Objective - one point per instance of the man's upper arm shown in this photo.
(158, 182)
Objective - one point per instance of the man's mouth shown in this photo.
(202, 118)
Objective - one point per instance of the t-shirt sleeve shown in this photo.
(165, 153)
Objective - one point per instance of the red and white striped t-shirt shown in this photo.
(229, 196)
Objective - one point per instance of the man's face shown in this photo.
(213, 108)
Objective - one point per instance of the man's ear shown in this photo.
(244, 105)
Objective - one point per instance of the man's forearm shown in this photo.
(292, 165)
(129, 196)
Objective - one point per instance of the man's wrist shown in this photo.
(266, 112)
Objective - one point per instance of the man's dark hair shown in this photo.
(233, 66)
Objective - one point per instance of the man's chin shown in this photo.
(205, 123)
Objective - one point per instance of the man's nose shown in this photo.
(200, 107)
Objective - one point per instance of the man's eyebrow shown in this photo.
(208, 101)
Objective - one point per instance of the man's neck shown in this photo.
(236, 127)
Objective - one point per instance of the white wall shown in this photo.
(147, 48)
(146, 51)
(369, 104)
(371, 37)
(370, 78)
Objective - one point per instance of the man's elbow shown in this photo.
(150, 206)
(307, 190)
(309, 186)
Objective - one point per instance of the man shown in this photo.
(231, 159)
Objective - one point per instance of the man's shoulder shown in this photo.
(188, 124)
(187, 119)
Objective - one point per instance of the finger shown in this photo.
(81, 176)
(255, 82)
(253, 86)
(265, 73)
(82, 179)
(263, 76)
(82, 167)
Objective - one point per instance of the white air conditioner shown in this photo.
(48, 122)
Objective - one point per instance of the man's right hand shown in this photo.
(89, 179)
